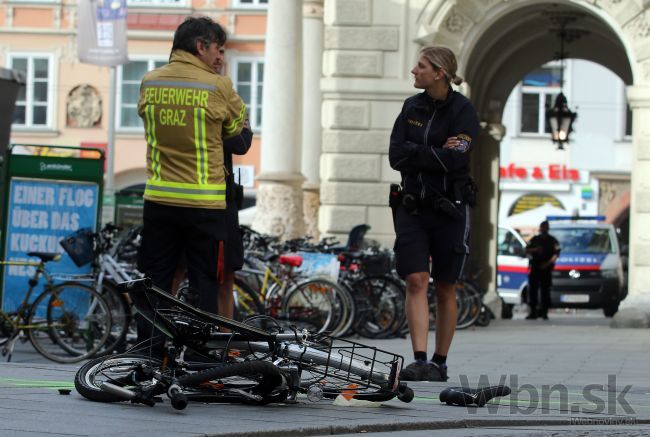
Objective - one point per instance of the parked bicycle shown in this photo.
(66, 323)
(318, 304)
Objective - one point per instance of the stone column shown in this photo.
(483, 242)
(279, 197)
(312, 68)
(634, 311)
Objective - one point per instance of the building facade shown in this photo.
(39, 38)
(367, 48)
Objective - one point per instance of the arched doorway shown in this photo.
(498, 42)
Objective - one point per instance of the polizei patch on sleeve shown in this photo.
(464, 142)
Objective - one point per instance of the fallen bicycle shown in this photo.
(250, 364)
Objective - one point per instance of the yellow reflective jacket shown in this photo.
(187, 110)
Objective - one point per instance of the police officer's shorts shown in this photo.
(431, 235)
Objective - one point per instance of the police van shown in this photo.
(588, 273)
(512, 269)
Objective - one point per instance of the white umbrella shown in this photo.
(533, 217)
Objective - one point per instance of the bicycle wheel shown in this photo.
(69, 323)
(121, 317)
(129, 371)
(248, 302)
(344, 311)
(312, 305)
(469, 299)
(255, 382)
(380, 306)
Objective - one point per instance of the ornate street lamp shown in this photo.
(559, 117)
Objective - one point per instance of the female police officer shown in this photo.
(429, 146)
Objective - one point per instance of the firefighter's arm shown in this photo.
(239, 144)
(235, 112)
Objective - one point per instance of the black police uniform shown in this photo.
(432, 220)
(234, 246)
(540, 278)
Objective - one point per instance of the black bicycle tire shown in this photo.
(475, 302)
(348, 301)
(52, 333)
(93, 392)
(398, 318)
(125, 322)
(326, 326)
(271, 376)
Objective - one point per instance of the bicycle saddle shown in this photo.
(45, 256)
(291, 260)
(465, 396)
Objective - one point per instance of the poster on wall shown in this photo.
(41, 213)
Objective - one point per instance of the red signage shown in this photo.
(554, 172)
(93, 153)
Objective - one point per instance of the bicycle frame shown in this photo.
(33, 282)
(268, 276)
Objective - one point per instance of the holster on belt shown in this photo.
(412, 204)
(395, 196)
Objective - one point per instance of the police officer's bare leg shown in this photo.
(446, 316)
(225, 298)
(417, 309)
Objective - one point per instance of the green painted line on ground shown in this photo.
(36, 383)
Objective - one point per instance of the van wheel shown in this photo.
(610, 310)
(506, 310)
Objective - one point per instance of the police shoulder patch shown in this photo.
(464, 143)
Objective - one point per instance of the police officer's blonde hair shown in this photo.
(442, 57)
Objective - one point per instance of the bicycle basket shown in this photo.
(79, 246)
(376, 265)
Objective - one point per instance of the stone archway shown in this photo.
(497, 42)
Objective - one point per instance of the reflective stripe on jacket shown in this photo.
(187, 111)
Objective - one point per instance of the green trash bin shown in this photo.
(129, 204)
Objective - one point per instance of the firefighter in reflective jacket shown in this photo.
(188, 110)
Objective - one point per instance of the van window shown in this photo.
(508, 243)
(583, 240)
